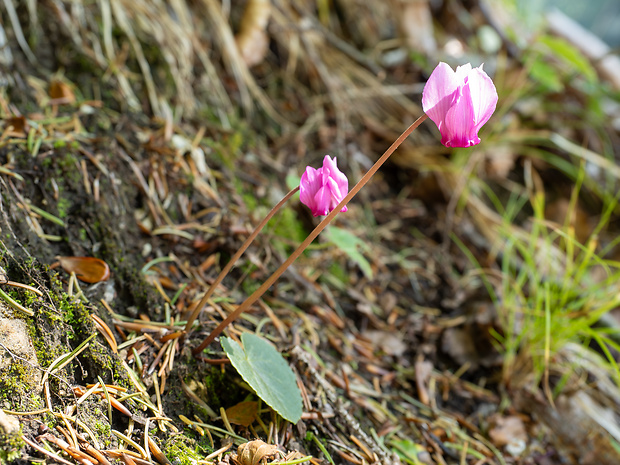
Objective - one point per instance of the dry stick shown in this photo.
(233, 260)
(267, 284)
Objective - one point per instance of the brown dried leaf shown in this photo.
(255, 452)
(19, 124)
(252, 39)
(61, 92)
(244, 413)
(88, 269)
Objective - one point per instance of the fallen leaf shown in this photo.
(19, 124)
(88, 269)
(61, 92)
(244, 413)
(255, 452)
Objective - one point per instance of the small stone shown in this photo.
(16, 342)
(8, 423)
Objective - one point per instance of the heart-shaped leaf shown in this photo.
(266, 371)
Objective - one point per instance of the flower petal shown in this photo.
(460, 130)
(330, 163)
(309, 184)
(322, 201)
(336, 194)
(483, 96)
(439, 93)
(462, 72)
(335, 173)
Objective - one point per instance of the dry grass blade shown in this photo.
(218, 452)
(95, 453)
(128, 457)
(131, 442)
(156, 451)
(44, 451)
(247, 84)
(24, 286)
(105, 331)
(21, 40)
(76, 454)
(342, 412)
(17, 306)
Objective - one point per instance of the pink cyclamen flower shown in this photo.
(321, 190)
(459, 103)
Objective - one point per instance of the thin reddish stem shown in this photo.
(234, 259)
(267, 284)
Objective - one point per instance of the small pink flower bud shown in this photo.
(321, 190)
(459, 103)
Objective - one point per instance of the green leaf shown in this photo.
(292, 181)
(265, 370)
(546, 75)
(408, 450)
(571, 56)
(350, 245)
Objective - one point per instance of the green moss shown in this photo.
(102, 428)
(63, 207)
(64, 167)
(181, 449)
(287, 226)
(17, 378)
(10, 446)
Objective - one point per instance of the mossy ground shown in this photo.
(186, 448)
(85, 226)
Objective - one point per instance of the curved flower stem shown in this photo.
(267, 284)
(234, 259)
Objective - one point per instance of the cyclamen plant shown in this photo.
(459, 102)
